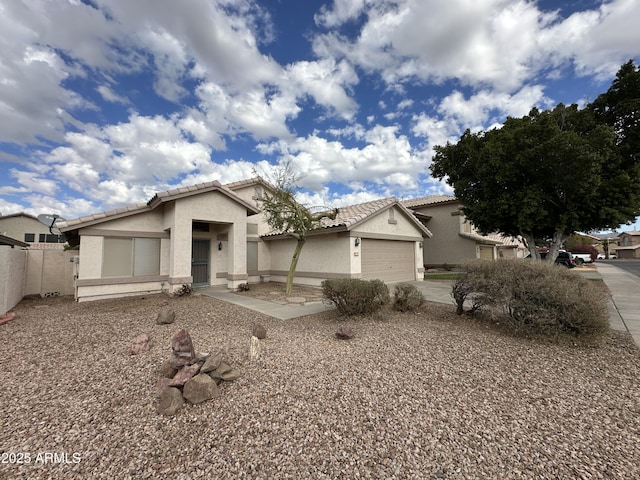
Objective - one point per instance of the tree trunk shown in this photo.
(531, 245)
(556, 242)
(294, 264)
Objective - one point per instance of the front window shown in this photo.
(126, 257)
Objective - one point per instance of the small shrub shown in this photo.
(243, 287)
(406, 297)
(354, 296)
(535, 296)
(183, 290)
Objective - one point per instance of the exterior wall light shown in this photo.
(219, 245)
(357, 242)
(421, 244)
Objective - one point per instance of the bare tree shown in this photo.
(286, 215)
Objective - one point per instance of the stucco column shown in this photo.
(237, 260)
(419, 252)
(180, 256)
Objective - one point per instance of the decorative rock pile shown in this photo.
(190, 377)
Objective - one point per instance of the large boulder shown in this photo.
(166, 316)
(345, 332)
(200, 389)
(259, 332)
(170, 401)
(224, 372)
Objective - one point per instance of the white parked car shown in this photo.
(602, 256)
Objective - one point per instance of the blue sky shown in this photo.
(103, 103)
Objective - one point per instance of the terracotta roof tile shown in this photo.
(350, 216)
(428, 200)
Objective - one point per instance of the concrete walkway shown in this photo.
(283, 312)
(624, 308)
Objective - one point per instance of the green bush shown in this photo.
(406, 297)
(533, 295)
(354, 296)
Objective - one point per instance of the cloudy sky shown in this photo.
(105, 102)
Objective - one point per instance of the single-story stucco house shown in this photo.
(214, 234)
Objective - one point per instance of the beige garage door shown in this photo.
(486, 253)
(388, 260)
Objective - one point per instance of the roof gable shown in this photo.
(158, 199)
(19, 214)
(351, 216)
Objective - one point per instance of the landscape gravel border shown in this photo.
(424, 395)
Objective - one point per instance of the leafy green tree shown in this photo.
(286, 215)
(619, 107)
(539, 176)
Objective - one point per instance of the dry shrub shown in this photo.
(354, 296)
(535, 296)
(406, 297)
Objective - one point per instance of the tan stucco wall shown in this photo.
(446, 246)
(49, 272)
(99, 292)
(336, 255)
(13, 270)
(323, 256)
(380, 227)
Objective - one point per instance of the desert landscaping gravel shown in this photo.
(417, 395)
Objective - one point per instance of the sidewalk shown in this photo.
(624, 308)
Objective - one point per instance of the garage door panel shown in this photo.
(388, 260)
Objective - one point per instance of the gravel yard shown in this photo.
(423, 395)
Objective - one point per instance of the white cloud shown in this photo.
(598, 41)
(385, 158)
(486, 107)
(110, 96)
(325, 81)
(492, 42)
(495, 44)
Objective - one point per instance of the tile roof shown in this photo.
(156, 200)
(19, 214)
(428, 200)
(350, 216)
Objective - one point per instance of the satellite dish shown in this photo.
(50, 221)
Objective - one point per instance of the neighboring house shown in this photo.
(455, 240)
(213, 234)
(607, 242)
(27, 228)
(12, 242)
(628, 244)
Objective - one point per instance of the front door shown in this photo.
(200, 262)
